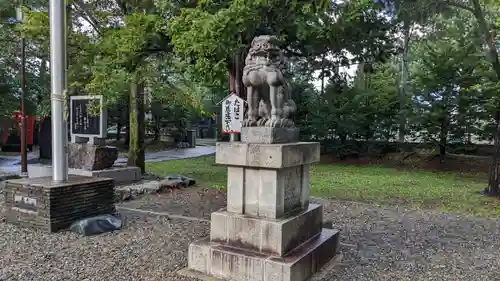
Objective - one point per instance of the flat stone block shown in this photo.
(270, 156)
(121, 175)
(274, 237)
(269, 135)
(43, 204)
(215, 260)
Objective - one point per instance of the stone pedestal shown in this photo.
(42, 204)
(269, 230)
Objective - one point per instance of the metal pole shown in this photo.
(57, 14)
(22, 82)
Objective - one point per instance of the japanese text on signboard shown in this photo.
(232, 113)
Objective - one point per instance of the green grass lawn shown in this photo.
(373, 184)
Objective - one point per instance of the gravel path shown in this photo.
(381, 244)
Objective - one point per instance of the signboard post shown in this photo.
(83, 124)
(232, 115)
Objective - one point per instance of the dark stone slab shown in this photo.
(91, 157)
(268, 135)
(42, 204)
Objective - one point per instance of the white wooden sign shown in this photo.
(232, 114)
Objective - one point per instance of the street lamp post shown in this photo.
(57, 16)
(22, 83)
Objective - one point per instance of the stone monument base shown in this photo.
(269, 230)
(246, 248)
(42, 204)
(121, 175)
(210, 259)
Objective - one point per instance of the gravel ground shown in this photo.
(192, 202)
(147, 249)
(379, 244)
(397, 244)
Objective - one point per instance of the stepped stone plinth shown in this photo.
(269, 230)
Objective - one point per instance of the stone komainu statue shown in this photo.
(268, 92)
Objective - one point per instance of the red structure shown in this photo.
(11, 131)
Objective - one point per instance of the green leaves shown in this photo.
(445, 71)
(211, 33)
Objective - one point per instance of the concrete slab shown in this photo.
(121, 175)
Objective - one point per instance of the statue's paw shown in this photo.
(273, 123)
(262, 122)
(249, 123)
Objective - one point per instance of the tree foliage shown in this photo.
(209, 34)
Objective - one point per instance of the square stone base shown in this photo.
(208, 260)
(42, 204)
(269, 135)
(121, 175)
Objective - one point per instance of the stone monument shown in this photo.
(269, 230)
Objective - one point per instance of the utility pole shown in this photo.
(57, 17)
(22, 82)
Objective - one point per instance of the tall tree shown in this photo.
(445, 71)
(211, 33)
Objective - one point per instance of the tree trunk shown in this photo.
(343, 138)
(235, 73)
(157, 128)
(403, 86)
(42, 76)
(323, 75)
(442, 141)
(136, 155)
(126, 117)
(493, 188)
(118, 131)
(492, 55)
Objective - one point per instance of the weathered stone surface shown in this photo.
(43, 204)
(268, 193)
(272, 156)
(91, 157)
(268, 135)
(237, 264)
(274, 237)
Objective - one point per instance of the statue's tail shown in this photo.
(264, 110)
